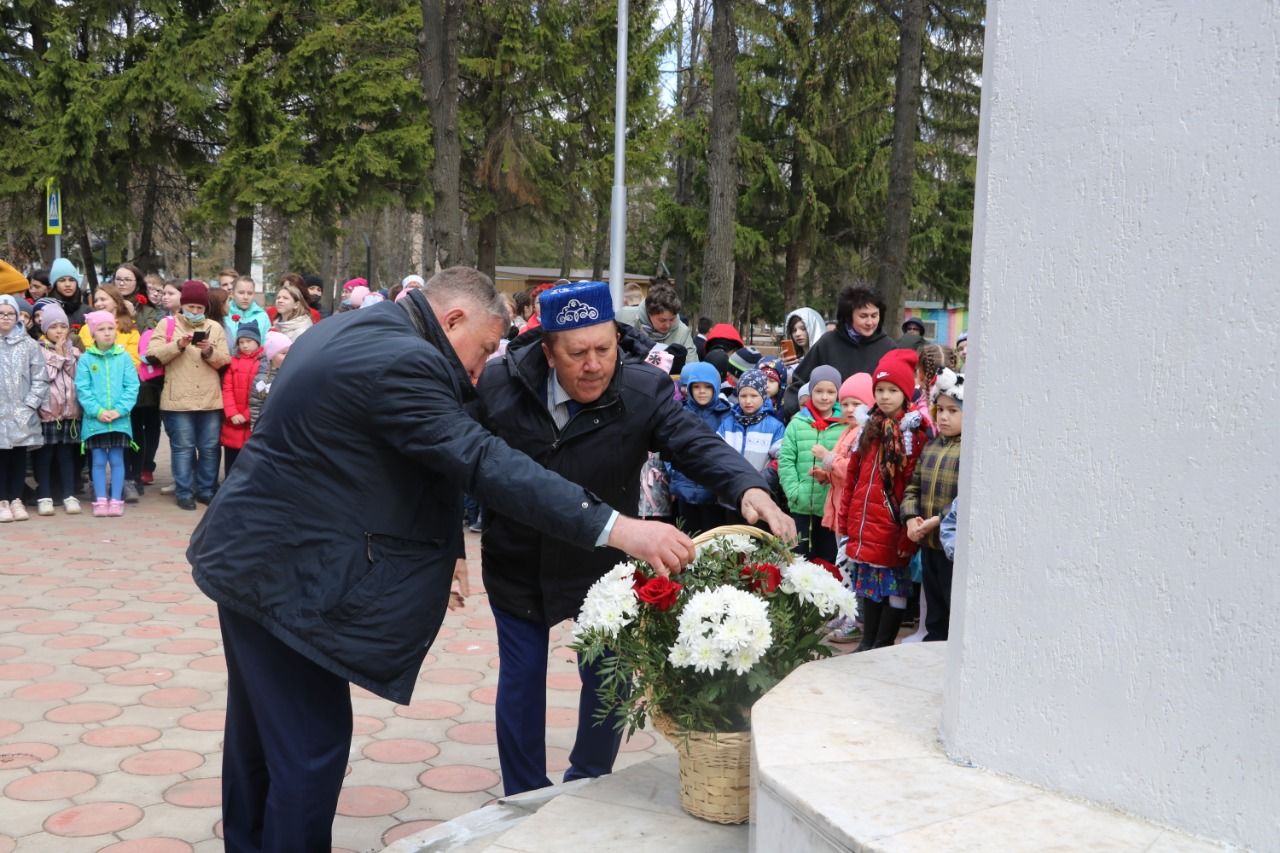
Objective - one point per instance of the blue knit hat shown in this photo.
(756, 380)
(575, 306)
(61, 269)
(249, 330)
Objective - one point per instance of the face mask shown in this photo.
(193, 319)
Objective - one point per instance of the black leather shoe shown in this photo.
(204, 499)
(186, 503)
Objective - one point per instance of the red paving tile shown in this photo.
(162, 762)
(92, 819)
(117, 736)
(459, 778)
(53, 785)
(401, 751)
(370, 801)
(108, 634)
(15, 755)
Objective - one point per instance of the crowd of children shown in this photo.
(868, 467)
(92, 387)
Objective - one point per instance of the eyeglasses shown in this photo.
(8, 315)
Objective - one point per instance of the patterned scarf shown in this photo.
(749, 420)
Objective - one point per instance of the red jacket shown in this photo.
(236, 384)
(867, 515)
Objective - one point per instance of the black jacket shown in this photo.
(338, 528)
(526, 572)
(836, 349)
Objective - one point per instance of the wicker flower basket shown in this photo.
(715, 774)
(715, 767)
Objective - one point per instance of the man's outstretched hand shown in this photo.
(757, 505)
(658, 544)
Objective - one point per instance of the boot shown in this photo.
(871, 612)
(890, 622)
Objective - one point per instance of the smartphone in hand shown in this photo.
(788, 349)
(199, 337)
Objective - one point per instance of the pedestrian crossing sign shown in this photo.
(53, 208)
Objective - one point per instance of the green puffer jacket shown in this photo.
(804, 494)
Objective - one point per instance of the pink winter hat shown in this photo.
(275, 344)
(95, 319)
(860, 387)
(356, 295)
(352, 284)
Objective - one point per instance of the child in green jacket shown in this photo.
(817, 422)
(107, 385)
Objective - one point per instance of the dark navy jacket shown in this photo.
(346, 502)
(542, 579)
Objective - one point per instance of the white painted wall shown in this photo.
(1116, 632)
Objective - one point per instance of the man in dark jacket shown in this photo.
(567, 397)
(331, 546)
(856, 345)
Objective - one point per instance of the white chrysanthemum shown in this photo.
(729, 543)
(814, 585)
(706, 657)
(722, 626)
(610, 604)
(681, 655)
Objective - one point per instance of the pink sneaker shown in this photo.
(100, 508)
(115, 509)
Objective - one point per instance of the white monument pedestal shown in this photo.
(846, 756)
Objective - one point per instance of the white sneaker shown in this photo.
(6, 514)
(44, 506)
(19, 511)
(72, 506)
(169, 489)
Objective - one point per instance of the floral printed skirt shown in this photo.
(878, 582)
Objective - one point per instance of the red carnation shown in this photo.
(764, 577)
(235, 317)
(659, 592)
(829, 566)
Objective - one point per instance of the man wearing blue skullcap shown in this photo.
(576, 396)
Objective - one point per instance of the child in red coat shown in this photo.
(236, 384)
(878, 547)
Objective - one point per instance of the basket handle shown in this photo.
(726, 529)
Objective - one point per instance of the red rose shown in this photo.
(829, 566)
(639, 579)
(659, 592)
(764, 577)
(235, 317)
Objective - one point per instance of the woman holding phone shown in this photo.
(191, 402)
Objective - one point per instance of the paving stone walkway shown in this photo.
(113, 693)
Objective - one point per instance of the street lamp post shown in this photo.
(618, 205)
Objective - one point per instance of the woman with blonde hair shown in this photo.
(292, 314)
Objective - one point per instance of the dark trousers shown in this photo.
(699, 518)
(522, 712)
(55, 466)
(287, 737)
(13, 473)
(146, 434)
(937, 593)
(229, 455)
(814, 539)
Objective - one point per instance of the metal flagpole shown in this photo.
(618, 205)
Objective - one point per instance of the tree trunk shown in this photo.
(717, 257)
(487, 249)
(146, 241)
(243, 244)
(566, 252)
(438, 51)
(86, 257)
(600, 246)
(891, 278)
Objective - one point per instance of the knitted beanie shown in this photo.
(275, 344)
(250, 331)
(51, 315)
(860, 387)
(195, 293)
(898, 367)
(96, 319)
(825, 373)
(756, 380)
